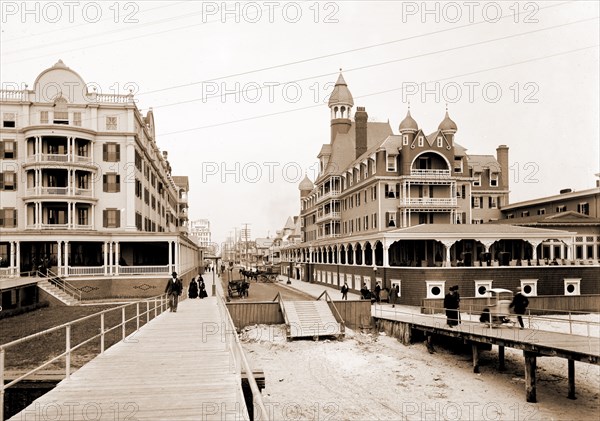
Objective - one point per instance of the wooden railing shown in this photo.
(158, 306)
(336, 313)
(62, 284)
(240, 360)
(278, 298)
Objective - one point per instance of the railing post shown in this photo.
(137, 316)
(570, 324)
(155, 308)
(123, 322)
(101, 333)
(147, 311)
(2, 384)
(68, 352)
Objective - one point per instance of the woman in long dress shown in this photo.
(202, 287)
(193, 289)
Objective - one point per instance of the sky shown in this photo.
(239, 89)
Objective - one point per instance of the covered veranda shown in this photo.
(431, 245)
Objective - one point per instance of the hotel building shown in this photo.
(85, 192)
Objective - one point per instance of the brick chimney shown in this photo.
(360, 119)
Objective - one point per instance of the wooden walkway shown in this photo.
(545, 343)
(177, 367)
(534, 342)
(310, 319)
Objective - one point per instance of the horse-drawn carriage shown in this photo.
(266, 275)
(239, 287)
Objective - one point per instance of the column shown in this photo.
(176, 263)
(66, 267)
(105, 253)
(117, 257)
(59, 258)
(386, 257)
(170, 256)
(110, 257)
(448, 246)
(12, 264)
(18, 257)
(534, 245)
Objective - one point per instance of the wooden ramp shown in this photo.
(177, 367)
(310, 319)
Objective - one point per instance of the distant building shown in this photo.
(200, 232)
(86, 193)
(577, 211)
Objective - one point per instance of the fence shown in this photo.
(154, 305)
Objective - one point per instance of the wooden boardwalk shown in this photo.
(177, 367)
(545, 343)
(534, 342)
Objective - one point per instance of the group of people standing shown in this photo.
(174, 289)
(197, 288)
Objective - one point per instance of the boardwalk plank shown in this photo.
(177, 367)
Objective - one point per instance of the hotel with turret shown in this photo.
(413, 208)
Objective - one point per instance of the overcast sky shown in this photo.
(528, 80)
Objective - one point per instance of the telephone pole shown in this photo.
(246, 235)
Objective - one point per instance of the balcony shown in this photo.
(51, 158)
(59, 191)
(327, 216)
(428, 201)
(329, 236)
(430, 173)
(81, 227)
(329, 195)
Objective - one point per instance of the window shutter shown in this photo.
(15, 150)
(1, 181)
(1, 217)
(104, 183)
(117, 183)
(105, 218)
(1, 149)
(117, 218)
(105, 153)
(398, 190)
(118, 152)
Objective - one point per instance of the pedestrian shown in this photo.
(394, 294)
(193, 289)
(519, 303)
(457, 301)
(451, 307)
(202, 287)
(173, 291)
(345, 291)
(377, 291)
(364, 292)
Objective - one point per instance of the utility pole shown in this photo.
(246, 233)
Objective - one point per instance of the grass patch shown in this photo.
(36, 351)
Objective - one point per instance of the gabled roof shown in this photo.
(289, 224)
(468, 231)
(556, 219)
(459, 150)
(343, 152)
(181, 181)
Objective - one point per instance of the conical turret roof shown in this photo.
(341, 94)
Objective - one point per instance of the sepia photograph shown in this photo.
(300, 210)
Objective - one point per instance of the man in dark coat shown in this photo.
(451, 307)
(345, 291)
(202, 287)
(519, 303)
(173, 290)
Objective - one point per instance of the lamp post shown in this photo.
(214, 286)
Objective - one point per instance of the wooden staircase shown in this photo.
(60, 289)
(310, 319)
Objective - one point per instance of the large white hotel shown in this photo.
(86, 193)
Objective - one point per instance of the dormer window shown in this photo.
(391, 163)
(61, 114)
(493, 179)
(458, 165)
(440, 142)
(404, 140)
(420, 141)
(477, 181)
